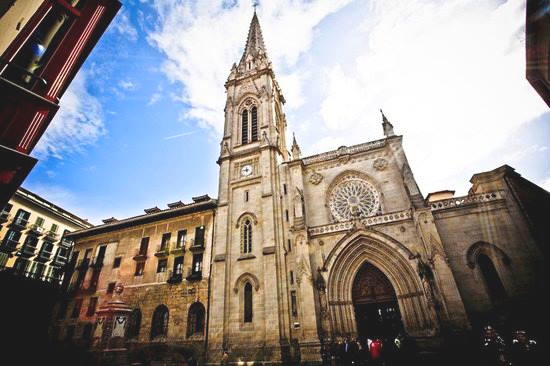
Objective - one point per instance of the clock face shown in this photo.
(246, 170)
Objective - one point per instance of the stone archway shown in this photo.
(375, 304)
(396, 262)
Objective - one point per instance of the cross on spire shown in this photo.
(255, 4)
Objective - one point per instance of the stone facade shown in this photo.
(33, 236)
(180, 234)
(288, 236)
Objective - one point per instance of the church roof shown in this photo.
(255, 40)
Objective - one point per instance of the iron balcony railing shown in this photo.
(174, 277)
(196, 245)
(36, 229)
(51, 236)
(194, 275)
(162, 250)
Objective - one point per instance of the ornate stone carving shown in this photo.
(380, 164)
(353, 198)
(315, 178)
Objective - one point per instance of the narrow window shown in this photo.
(39, 222)
(76, 308)
(178, 265)
(181, 238)
(286, 215)
(248, 303)
(54, 228)
(143, 246)
(140, 266)
(289, 245)
(244, 127)
(116, 262)
(91, 306)
(134, 324)
(195, 320)
(293, 303)
(246, 237)
(284, 189)
(495, 288)
(246, 196)
(165, 242)
(291, 277)
(199, 236)
(197, 263)
(159, 324)
(254, 124)
(162, 264)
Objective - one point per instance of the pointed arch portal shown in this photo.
(375, 303)
(368, 255)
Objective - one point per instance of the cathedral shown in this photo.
(298, 252)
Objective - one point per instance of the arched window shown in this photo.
(254, 124)
(248, 303)
(496, 290)
(159, 325)
(244, 127)
(246, 236)
(195, 320)
(134, 324)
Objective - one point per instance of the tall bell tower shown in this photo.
(248, 290)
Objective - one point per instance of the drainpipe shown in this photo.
(209, 277)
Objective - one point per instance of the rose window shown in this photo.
(353, 198)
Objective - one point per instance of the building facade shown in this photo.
(308, 250)
(161, 258)
(33, 233)
(43, 44)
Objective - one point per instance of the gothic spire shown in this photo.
(387, 126)
(295, 149)
(255, 41)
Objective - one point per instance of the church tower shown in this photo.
(247, 290)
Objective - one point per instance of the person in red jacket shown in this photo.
(376, 351)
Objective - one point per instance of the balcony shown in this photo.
(36, 230)
(178, 248)
(51, 236)
(162, 250)
(59, 261)
(43, 256)
(196, 246)
(27, 251)
(174, 277)
(4, 217)
(19, 223)
(194, 275)
(10, 245)
(67, 243)
(140, 255)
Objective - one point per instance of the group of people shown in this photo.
(383, 351)
(520, 350)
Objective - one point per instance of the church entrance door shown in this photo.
(375, 303)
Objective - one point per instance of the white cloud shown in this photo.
(449, 74)
(123, 25)
(202, 42)
(127, 85)
(78, 122)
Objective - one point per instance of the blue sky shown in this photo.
(140, 126)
